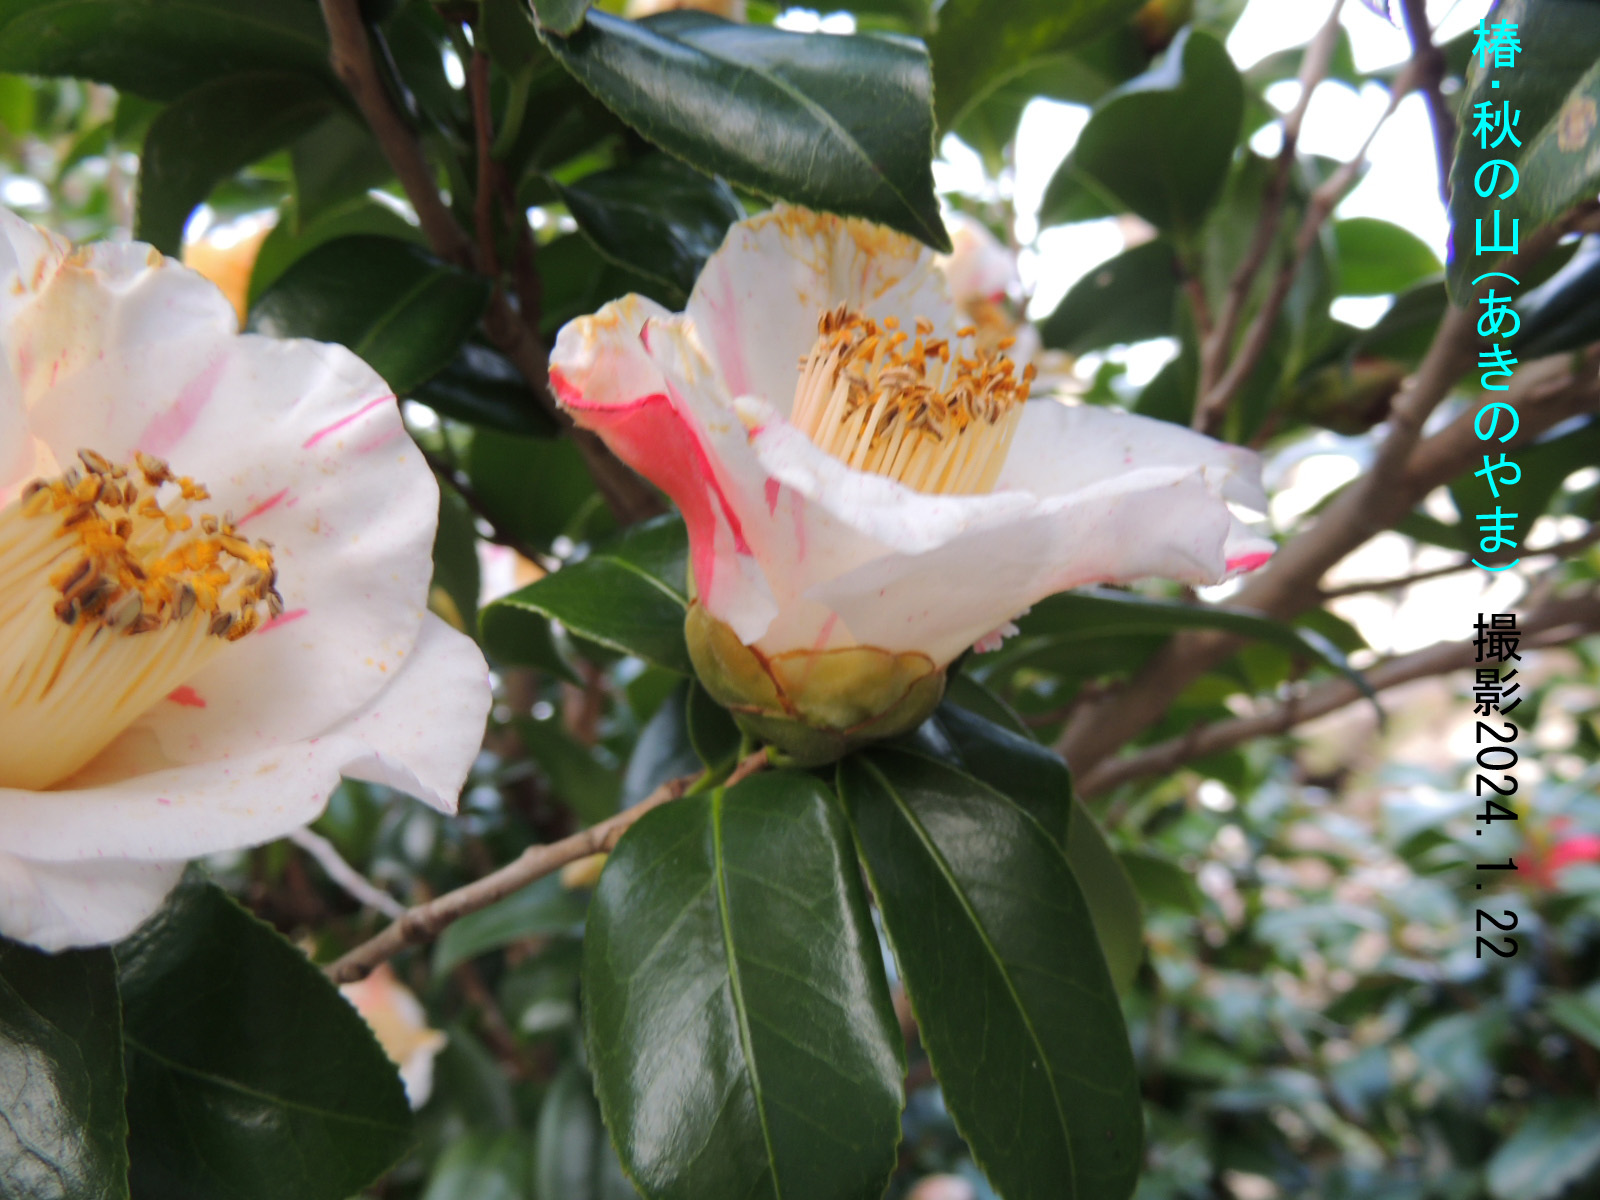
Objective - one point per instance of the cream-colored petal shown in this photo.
(755, 306)
(58, 906)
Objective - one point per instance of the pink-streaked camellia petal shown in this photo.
(422, 732)
(114, 349)
(755, 306)
(57, 906)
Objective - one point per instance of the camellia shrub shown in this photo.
(570, 629)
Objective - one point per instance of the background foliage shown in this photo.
(1278, 915)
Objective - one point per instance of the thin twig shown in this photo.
(426, 921)
(1362, 586)
(1556, 624)
(1215, 347)
(1430, 64)
(347, 877)
(354, 65)
(1214, 403)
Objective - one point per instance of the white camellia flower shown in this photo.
(866, 490)
(214, 560)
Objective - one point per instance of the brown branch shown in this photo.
(354, 65)
(1362, 586)
(1215, 346)
(483, 129)
(426, 921)
(1214, 402)
(1554, 624)
(1429, 60)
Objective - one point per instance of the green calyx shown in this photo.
(812, 707)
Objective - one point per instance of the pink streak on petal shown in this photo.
(270, 502)
(1248, 562)
(162, 800)
(730, 348)
(166, 430)
(343, 421)
(278, 622)
(773, 490)
(652, 437)
(24, 364)
(187, 697)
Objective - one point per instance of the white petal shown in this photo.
(1160, 521)
(422, 732)
(122, 350)
(1060, 448)
(57, 906)
(756, 303)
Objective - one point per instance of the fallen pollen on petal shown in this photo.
(114, 591)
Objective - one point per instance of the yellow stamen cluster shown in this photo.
(909, 405)
(112, 593)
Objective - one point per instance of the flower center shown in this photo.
(112, 594)
(910, 407)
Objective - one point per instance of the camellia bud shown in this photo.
(812, 705)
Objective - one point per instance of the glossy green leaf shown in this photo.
(575, 1160)
(482, 387)
(663, 749)
(302, 1106)
(1037, 780)
(482, 1166)
(628, 596)
(997, 946)
(1563, 312)
(538, 489)
(1556, 1147)
(838, 123)
(1377, 258)
(63, 1129)
(657, 216)
(455, 557)
(561, 16)
(1091, 614)
(1160, 144)
(292, 239)
(335, 163)
(162, 48)
(978, 44)
(402, 310)
(1578, 1013)
(208, 134)
(588, 786)
(1162, 884)
(542, 909)
(1555, 86)
(737, 1015)
(1132, 297)
(508, 33)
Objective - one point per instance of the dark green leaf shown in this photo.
(1160, 144)
(302, 1106)
(1562, 313)
(63, 1130)
(542, 909)
(657, 216)
(1162, 884)
(560, 16)
(206, 135)
(837, 123)
(292, 239)
(482, 387)
(1132, 297)
(577, 280)
(402, 310)
(627, 596)
(455, 557)
(1011, 992)
(335, 163)
(509, 35)
(1037, 780)
(977, 44)
(1556, 87)
(716, 739)
(575, 1159)
(162, 48)
(1578, 1013)
(537, 488)
(579, 779)
(1557, 1146)
(663, 750)
(1406, 331)
(1378, 259)
(482, 1166)
(737, 1015)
